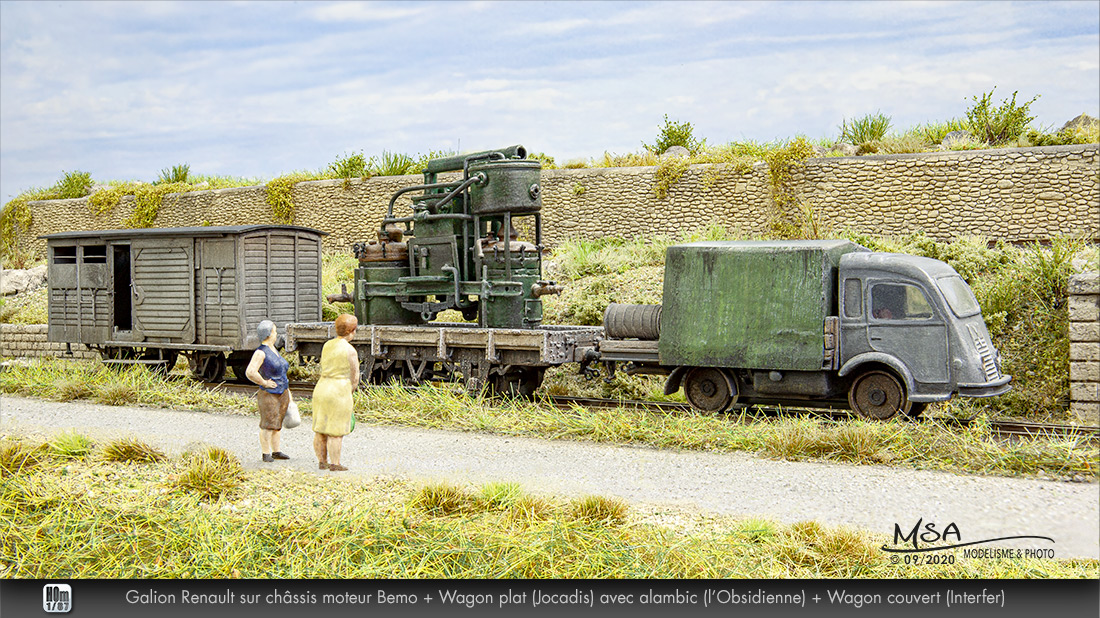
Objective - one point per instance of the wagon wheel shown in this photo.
(517, 383)
(878, 395)
(708, 389)
(208, 367)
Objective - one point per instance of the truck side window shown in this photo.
(899, 301)
(853, 298)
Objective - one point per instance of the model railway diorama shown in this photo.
(802, 323)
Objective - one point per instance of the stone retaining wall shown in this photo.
(1084, 347)
(29, 341)
(1016, 195)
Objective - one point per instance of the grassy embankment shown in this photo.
(929, 444)
(73, 508)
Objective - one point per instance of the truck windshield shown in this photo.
(959, 296)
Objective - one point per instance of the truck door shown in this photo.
(903, 323)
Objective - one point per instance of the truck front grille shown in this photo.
(989, 362)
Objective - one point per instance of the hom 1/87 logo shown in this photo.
(57, 598)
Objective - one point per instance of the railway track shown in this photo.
(1005, 428)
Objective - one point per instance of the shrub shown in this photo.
(176, 173)
(350, 166)
(870, 128)
(394, 164)
(73, 185)
(998, 125)
(675, 134)
(546, 160)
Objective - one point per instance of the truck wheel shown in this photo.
(878, 395)
(708, 389)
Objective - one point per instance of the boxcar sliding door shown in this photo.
(164, 289)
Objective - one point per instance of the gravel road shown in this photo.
(869, 497)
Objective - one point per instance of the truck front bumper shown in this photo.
(986, 389)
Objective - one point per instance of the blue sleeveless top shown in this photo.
(274, 368)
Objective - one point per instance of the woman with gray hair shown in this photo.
(268, 369)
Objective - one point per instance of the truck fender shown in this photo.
(878, 357)
(674, 380)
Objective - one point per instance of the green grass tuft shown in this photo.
(70, 446)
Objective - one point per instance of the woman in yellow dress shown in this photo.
(332, 407)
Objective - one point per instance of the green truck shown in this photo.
(808, 323)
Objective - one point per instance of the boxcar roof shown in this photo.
(206, 230)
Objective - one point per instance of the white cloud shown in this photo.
(364, 12)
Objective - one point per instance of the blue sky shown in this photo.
(123, 90)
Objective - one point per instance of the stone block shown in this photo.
(1086, 413)
(1084, 391)
(1084, 331)
(1084, 307)
(1084, 372)
(1084, 352)
(1085, 283)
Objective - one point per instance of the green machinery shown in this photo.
(459, 248)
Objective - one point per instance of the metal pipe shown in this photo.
(458, 295)
(436, 185)
(457, 162)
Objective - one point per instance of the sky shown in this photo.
(124, 90)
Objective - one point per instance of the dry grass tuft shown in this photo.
(444, 499)
(210, 474)
(598, 509)
(18, 457)
(131, 450)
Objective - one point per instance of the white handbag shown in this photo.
(292, 418)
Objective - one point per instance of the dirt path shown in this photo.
(874, 498)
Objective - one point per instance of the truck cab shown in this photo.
(911, 329)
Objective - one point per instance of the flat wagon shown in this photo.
(146, 295)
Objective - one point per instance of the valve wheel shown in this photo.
(878, 395)
(708, 389)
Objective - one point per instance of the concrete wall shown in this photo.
(1084, 347)
(1016, 195)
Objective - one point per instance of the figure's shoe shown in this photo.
(322, 465)
(280, 455)
(336, 467)
(268, 458)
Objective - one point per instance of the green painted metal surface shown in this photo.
(753, 305)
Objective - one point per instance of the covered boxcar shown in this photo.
(147, 295)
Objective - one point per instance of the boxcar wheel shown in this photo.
(878, 395)
(708, 389)
(166, 359)
(208, 367)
